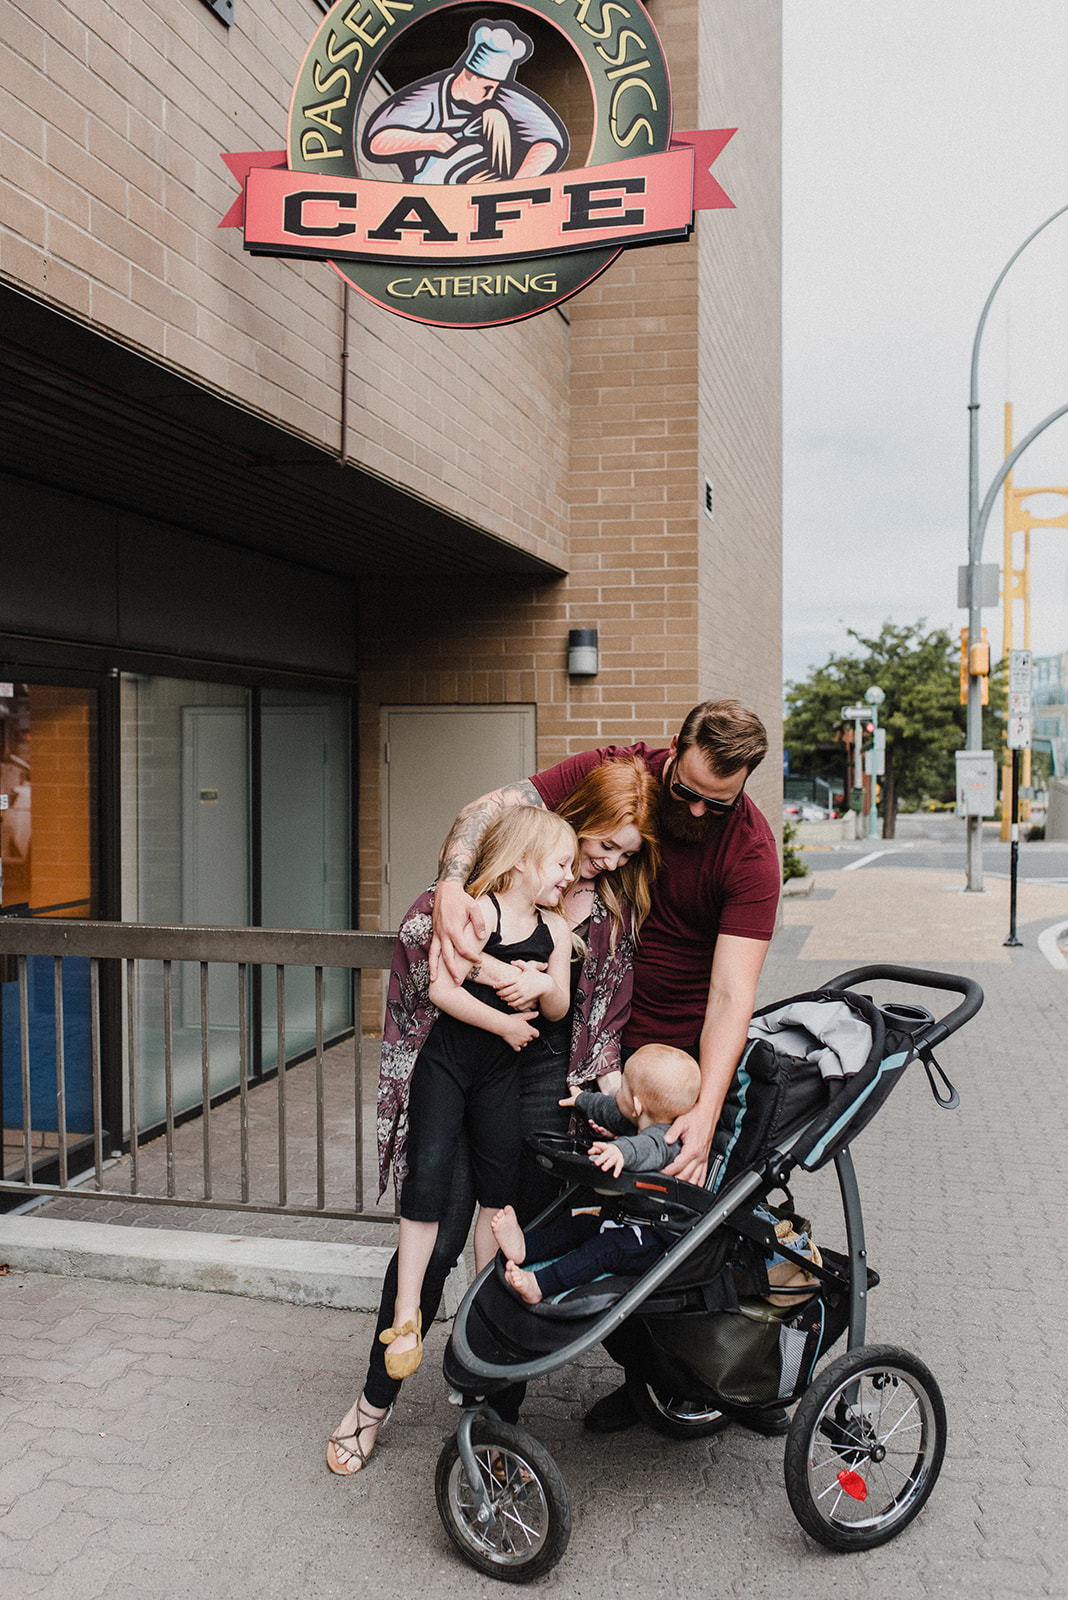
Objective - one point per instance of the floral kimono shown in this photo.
(602, 1005)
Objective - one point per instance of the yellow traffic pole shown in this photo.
(1016, 585)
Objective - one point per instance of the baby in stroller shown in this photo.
(658, 1084)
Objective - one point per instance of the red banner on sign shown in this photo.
(626, 202)
(707, 144)
(241, 163)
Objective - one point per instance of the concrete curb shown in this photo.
(347, 1277)
(1049, 944)
(798, 886)
(834, 830)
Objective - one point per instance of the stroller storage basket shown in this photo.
(753, 1354)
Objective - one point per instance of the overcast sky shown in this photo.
(923, 141)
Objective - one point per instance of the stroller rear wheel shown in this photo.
(865, 1447)
(531, 1523)
(673, 1415)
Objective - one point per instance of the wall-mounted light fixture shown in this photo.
(582, 655)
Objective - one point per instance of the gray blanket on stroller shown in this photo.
(825, 1032)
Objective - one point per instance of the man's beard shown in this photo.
(678, 822)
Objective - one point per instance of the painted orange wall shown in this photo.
(60, 746)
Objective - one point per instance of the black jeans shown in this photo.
(542, 1083)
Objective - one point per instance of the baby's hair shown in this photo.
(666, 1081)
(518, 831)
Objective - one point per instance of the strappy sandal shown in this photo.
(404, 1363)
(358, 1456)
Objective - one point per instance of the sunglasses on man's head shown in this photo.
(682, 791)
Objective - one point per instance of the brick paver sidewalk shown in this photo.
(166, 1443)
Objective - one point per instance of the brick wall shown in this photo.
(583, 438)
(740, 383)
(673, 373)
(113, 119)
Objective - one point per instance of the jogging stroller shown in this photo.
(704, 1335)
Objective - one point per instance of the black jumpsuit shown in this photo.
(467, 1080)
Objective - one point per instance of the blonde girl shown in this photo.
(465, 1077)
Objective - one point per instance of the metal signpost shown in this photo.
(876, 757)
(857, 715)
(1019, 738)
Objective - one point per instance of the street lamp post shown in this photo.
(977, 520)
(875, 697)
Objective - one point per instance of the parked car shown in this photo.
(806, 811)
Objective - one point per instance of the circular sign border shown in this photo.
(328, 58)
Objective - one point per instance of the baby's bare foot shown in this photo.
(509, 1235)
(525, 1284)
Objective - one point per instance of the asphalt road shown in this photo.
(936, 841)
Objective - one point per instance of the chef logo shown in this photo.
(473, 123)
(458, 196)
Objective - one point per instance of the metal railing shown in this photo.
(131, 1065)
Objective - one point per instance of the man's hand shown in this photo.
(609, 1157)
(527, 985)
(516, 1030)
(694, 1130)
(459, 927)
(459, 931)
(736, 968)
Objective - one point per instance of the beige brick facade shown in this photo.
(582, 439)
(673, 374)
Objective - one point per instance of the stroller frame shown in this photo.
(838, 1386)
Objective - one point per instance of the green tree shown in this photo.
(919, 672)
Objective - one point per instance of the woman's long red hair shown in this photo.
(615, 795)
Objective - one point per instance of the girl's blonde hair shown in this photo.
(518, 831)
(620, 794)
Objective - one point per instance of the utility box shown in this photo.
(976, 792)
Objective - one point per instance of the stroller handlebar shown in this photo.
(934, 1032)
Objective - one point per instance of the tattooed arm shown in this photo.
(459, 927)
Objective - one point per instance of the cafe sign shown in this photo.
(456, 198)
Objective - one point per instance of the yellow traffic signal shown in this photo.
(977, 661)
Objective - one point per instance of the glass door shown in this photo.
(185, 859)
(235, 812)
(305, 853)
(48, 853)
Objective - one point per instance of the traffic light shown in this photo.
(977, 663)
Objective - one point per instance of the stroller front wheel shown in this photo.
(531, 1522)
(865, 1447)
